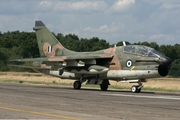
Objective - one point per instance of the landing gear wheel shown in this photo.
(77, 85)
(135, 89)
(104, 87)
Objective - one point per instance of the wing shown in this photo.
(66, 58)
(79, 64)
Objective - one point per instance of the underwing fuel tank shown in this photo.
(92, 69)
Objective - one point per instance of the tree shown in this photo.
(154, 45)
(102, 44)
(169, 51)
(120, 43)
(3, 61)
(175, 71)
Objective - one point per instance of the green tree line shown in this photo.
(17, 44)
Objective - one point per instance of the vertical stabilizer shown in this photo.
(49, 46)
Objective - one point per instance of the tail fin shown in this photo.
(49, 46)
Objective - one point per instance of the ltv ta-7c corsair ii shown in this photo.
(128, 63)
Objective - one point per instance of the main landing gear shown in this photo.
(103, 84)
(77, 85)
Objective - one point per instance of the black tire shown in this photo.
(104, 87)
(77, 85)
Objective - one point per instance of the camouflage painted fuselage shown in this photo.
(118, 63)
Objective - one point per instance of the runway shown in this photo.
(30, 101)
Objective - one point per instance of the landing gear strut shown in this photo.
(137, 89)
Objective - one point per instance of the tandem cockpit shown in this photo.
(142, 51)
(149, 55)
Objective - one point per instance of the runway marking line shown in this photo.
(39, 113)
(139, 96)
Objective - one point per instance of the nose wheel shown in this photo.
(136, 89)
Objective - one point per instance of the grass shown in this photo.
(160, 89)
(93, 86)
(21, 81)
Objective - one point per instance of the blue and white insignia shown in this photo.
(129, 63)
(49, 48)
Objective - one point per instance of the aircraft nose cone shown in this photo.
(166, 61)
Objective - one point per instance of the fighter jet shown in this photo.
(127, 63)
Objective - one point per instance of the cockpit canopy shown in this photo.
(142, 50)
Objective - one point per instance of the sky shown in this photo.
(112, 20)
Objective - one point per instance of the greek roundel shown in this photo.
(129, 63)
(49, 48)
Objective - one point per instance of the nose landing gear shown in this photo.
(137, 89)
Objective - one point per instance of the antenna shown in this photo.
(124, 43)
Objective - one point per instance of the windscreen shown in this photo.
(155, 53)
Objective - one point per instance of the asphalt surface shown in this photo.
(29, 101)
